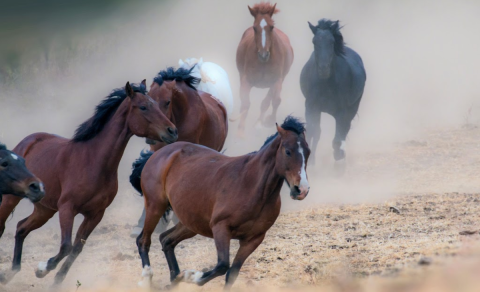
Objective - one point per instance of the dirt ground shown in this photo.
(400, 243)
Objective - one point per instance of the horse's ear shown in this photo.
(273, 9)
(280, 130)
(181, 63)
(252, 12)
(144, 83)
(313, 28)
(129, 90)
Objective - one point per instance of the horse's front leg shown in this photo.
(247, 247)
(275, 98)
(67, 215)
(312, 116)
(88, 225)
(245, 89)
(222, 236)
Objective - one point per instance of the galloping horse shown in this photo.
(264, 57)
(220, 197)
(213, 80)
(199, 117)
(16, 179)
(332, 81)
(80, 175)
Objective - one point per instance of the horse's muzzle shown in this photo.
(171, 136)
(299, 193)
(36, 191)
(264, 56)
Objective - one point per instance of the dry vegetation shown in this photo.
(410, 242)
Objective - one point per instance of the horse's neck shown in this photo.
(270, 180)
(109, 145)
(184, 102)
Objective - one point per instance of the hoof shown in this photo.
(5, 278)
(147, 275)
(189, 276)
(340, 167)
(41, 270)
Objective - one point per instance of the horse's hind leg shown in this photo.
(67, 215)
(247, 247)
(273, 96)
(155, 209)
(222, 236)
(36, 220)
(9, 202)
(88, 225)
(169, 240)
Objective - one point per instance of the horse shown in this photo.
(199, 117)
(16, 179)
(332, 81)
(219, 197)
(213, 80)
(264, 58)
(80, 174)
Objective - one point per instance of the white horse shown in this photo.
(214, 80)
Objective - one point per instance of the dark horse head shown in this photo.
(16, 179)
(328, 43)
(263, 28)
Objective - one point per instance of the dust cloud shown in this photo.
(421, 59)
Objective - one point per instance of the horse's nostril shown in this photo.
(34, 187)
(297, 189)
(172, 131)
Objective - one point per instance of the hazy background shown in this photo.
(58, 59)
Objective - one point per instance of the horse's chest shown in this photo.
(264, 76)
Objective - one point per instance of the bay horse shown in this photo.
(213, 80)
(332, 81)
(220, 197)
(80, 175)
(16, 179)
(264, 57)
(199, 117)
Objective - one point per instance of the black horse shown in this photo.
(16, 179)
(332, 81)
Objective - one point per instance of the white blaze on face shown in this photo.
(303, 173)
(14, 156)
(263, 23)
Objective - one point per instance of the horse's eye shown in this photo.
(254, 29)
(167, 103)
(288, 152)
(143, 108)
(5, 164)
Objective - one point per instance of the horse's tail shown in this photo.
(137, 168)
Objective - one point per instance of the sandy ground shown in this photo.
(315, 243)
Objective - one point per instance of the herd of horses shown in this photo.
(184, 117)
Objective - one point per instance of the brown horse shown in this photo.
(16, 179)
(264, 57)
(220, 197)
(80, 175)
(199, 117)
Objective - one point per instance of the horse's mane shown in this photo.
(290, 124)
(103, 113)
(264, 8)
(3, 146)
(181, 74)
(334, 28)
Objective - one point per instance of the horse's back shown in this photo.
(218, 84)
(32, 141)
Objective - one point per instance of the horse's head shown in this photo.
(327, 42)
(16, 179)
(147, 120)
(292, 157)
(263, 26)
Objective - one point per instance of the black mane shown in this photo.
(181, 74)
(290, 124)
(3, 146)
(103, 112)
(334, 28)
